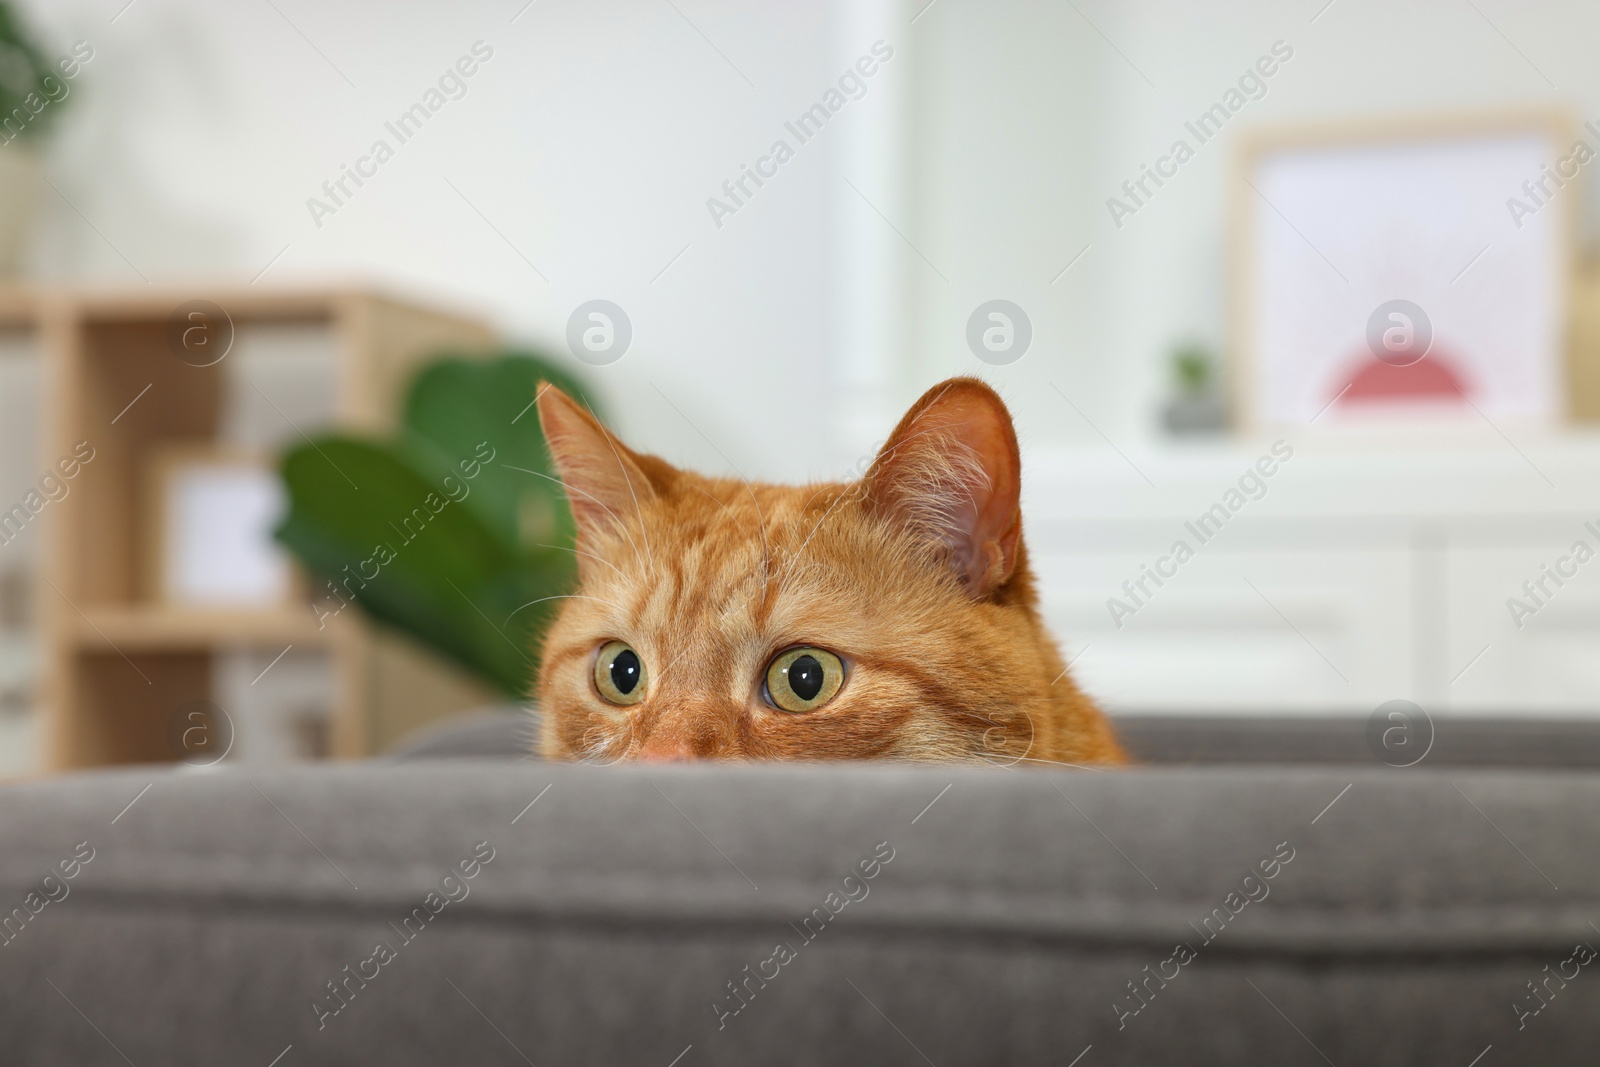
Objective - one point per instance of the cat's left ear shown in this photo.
(603, 479)
(951, 472)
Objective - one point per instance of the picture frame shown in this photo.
(1381, 277)
(209, 512)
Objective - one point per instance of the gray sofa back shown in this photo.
(800, 914)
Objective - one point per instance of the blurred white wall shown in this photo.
(1031, 114)
(976, 166)
(577, 166)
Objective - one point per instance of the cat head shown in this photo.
(892, 617)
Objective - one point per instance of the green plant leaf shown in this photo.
(458, 412)
(30, 85)
(394, 541)
(456, 531)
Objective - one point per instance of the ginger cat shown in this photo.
(890, 618)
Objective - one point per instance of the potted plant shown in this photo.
(33, 94)
(459, 535)
(1196, 405)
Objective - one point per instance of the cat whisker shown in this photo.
(561, 596)
(623, 467)
(761, 521)
(818, 491)
(615, 518)
(589, 555)
(721, 504)
(761, 527)
(593, 752)
(1055, 763)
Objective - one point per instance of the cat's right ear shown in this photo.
(951, 473)
(604, 481)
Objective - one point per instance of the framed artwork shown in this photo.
(209, 535)
(1409, 271)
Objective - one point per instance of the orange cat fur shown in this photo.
(909, 590)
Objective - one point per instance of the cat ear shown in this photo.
(603, 479)
(951, 473)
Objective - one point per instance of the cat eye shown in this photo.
(619, 673)
(803, 679)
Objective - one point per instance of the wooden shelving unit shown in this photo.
(1583, 342)
(118, 661)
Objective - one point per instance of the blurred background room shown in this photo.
(1305, 288)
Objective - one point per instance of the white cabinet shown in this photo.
(1551, 661)
(1234, 630)
(1362, 575)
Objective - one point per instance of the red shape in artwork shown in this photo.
(1431, 378)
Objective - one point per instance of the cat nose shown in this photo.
(690, 729)
(671, 743)
(665, 750)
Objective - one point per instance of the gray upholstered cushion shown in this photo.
(617, 908)
(1476, 740)
(499, 732)
(509, 731)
